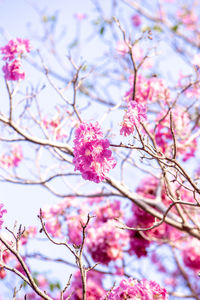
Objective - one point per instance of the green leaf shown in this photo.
(157, 28)
(51, 286)
(175, 28)
(102, 30)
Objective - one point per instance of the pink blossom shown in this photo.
(15, 47)
(142, 89)
(188, 17)
(54, 127)
(2, 211)
(13, 70)
(111, 210)
(135, 114)
(138, 244)
(132, 289)
(105, 242)
(122, 48)
(12, 53)
(158, 90)
(13, 159)
(91, 154)
(80, 16)
(94, 286)
(191, 254)
(136, 20)
(182, 130)
(30, 232)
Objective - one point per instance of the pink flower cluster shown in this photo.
(191, 254)
(132, 289)
(106, 242)
(188, 18)
(12, 54)
(13, 159)
(94, 286)
(2, 211)
(91, 154)
(152, 89)
(182, 130)
(138, 244)
(54, 127)
(136, 20)
(135, 114)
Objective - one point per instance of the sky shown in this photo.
(17, 19)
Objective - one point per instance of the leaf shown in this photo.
(102, 30)
(175, 28)
(157, 28)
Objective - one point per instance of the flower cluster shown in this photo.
(132, 289)
(94, 286)
(191, 254)
(152, 89)
(13, 159)
(188, 18)
(135, 114)
(54, 126)
(182, 131)
(91, 154)
(13, 52)
(105, 242)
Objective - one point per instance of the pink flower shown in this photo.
(135, 114)
(13, 70)
(80, 16)
(158, 90)
(94, 286)
(122, 48)
(2, 211)
(138, 244)
(136, 20)
(54, 126)
(142, 89)
(132, 289)
(13, 159)
(15, 47)
(188, 17)
(191, 254)
(12, 53)
(91, 154)
(105, 242)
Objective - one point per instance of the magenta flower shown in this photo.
(106, 242)
(136, 20)
(12, 53)
(14, 48)
(135, 114)
(132, 289)
(13, 70)
(91, 154)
